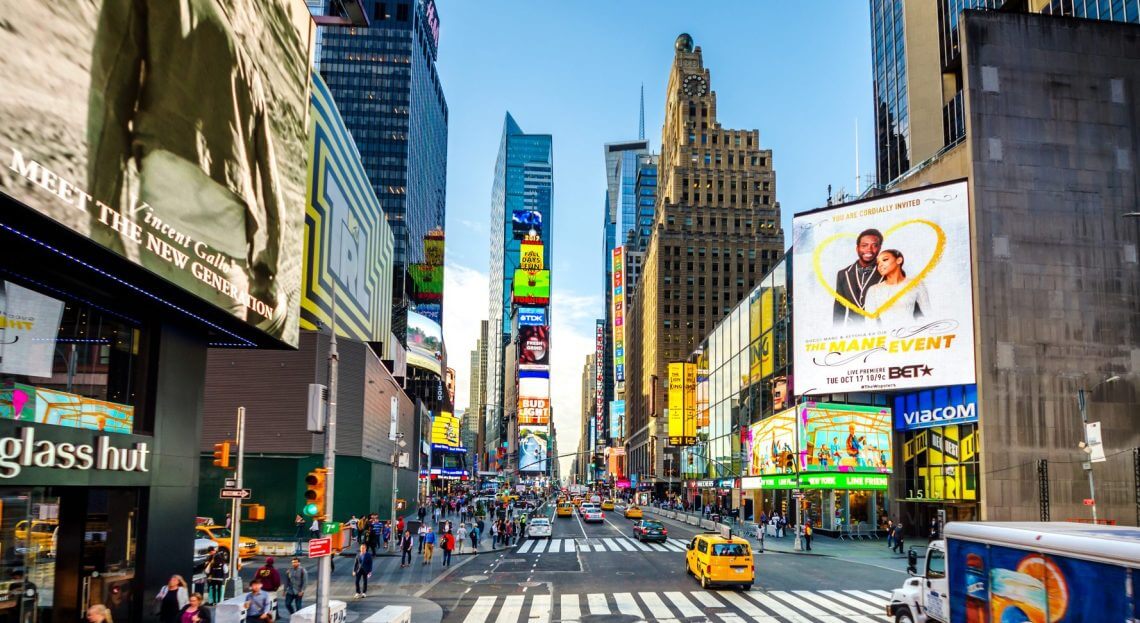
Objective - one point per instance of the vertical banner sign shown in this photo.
(619, 319)
(690, 424)
(599, 386)
(617, 419)
(394, 422)
(676, 403)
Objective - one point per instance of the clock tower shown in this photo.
(716, 234)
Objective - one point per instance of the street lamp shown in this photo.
(399, 443)
(1084, 445)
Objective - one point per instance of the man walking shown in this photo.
(270, 580)
(257, 604)
(428, 546)
(448, 545)
(295, 579)
(890, 534)
(461, 537)
(406, 549)
(807, 536)
(898, 538)
(362, 570)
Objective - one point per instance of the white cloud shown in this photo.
(464, 306)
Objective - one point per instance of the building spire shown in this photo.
(641, 118)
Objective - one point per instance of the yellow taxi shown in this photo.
(221, 534)
(577, 501)
(42, 535)
(633, 512)
(565, 510)
(718, 561)
(608, 505)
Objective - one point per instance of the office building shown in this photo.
(716, 232)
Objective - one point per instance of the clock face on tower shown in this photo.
(695, 85)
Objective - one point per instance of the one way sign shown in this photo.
(236, 494)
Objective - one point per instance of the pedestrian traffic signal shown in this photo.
(315, 493)
(222, 455)
(256, 512)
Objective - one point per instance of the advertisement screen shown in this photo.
(181, 144)
(676, 406)
(844, 438)
(618, 272)
(530, 255)
(532, 316)
(533, 443)
(29, 325)
(425, 343)
(936, 407)
(772, 447)
(599, 386)
(347, 237)
(427, 282)
(690, 424)
(526, 223)
(532, 288)
(432, 311)
(445, 430)
(43, 405)
(617, 419)
(884, 294)
(533, 410)
(534, 345)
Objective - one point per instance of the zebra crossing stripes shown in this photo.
(605, 544)
(756, 606)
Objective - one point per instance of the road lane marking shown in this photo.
(853, 603)
(626, 604)
(806, 606)
(883, 594)
(625, 544)
(570, 610)
(778, 607)
(598, 603)
(512, 606)
(707, 600)
(539, 547)
(864, 596)
(540, 609)
(750, 609)
(480, 610)
(583, 546)
(527, 546)
(657, 608)
(684, 606)
(641, 546)
(679, 543)
(555, 545)
(729, 617)
(609, 543)
(673, 548)
(569, 545)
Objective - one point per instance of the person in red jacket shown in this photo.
(448, 546)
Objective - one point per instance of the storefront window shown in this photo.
(68, 362)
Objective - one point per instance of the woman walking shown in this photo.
(193, 612)
(172, 599)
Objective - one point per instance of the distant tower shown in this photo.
(641, 118)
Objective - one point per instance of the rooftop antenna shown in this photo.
(856, 156)
(641, 119)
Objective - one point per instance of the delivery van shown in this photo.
(997, 572)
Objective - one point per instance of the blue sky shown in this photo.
(800, 72)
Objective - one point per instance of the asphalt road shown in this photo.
(588, 572)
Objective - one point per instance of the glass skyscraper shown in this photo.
(523, 184)
(385, 84)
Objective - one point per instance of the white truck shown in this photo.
(1045, 572)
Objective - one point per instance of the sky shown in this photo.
(799, 72)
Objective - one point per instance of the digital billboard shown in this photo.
(599, 386)
(941, 463)
(844, 438)
(28, 403)
(432, 311)
(427, 282)
(433, 247)
(347, 237)
(618, 295)
(531, 288)
(771, 445)
(532, 316)
(690, 401)
(29, 328)
(936, 407)
(180, 144)
(530, 255)
(533, 410)
(676, 405)
(617, 419)
(884, 293)
(445, 430)
(425, 343)
(526, 223)
(534, 442)
(534, 345)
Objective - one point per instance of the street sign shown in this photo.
(320, 547)
(1089, 502)
(330, 527)
(236, 494)
(231, 483)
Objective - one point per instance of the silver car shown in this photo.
(591, 512)
(538, 528)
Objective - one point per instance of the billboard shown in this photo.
(617, 419)
(43, 405)
(29, 327)
(531, 288)
(433, 247)
(427, 282)
(347, 237)
(445, 430)
(884, 293)
(532, 316)
(425, 343)
(599, 385)
(534, 345)
(533, 410)
(844, 438)
(433, 311)
(534, 441)
(936, 407)
(772, 448)
(941, 463)
(530, 255)
(618, 271)
(180, 145)
(676, 406)
(761, 315)
(690, 404)
(526, 223)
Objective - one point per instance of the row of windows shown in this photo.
(757, 185)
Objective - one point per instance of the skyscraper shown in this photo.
(385, 84)
(521, 203)
(716, 233)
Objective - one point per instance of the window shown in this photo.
(381, 12)
(702, 545)
(935, 565)
(402, 12)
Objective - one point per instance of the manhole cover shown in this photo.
(530, 584)
(474, 578)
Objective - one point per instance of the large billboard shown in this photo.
(618, 295)
(526, 223)
(532, 316)
(533, 444)
(844, 438)
(347, 237)
(936, 407)
(690, 401)
(425, 343)
(533, 410)
(884, 294)
(530, 255)
(599, 386)
(679, 426)
(534, 345)
(534, 395)
(531, 288)
(617, 419)
(427, 282)
(174, 137)
(771, 445)
(445, 431)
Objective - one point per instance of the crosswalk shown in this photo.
(820, 606)
(607, 544)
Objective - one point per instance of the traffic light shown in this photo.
(256, 512)
(222, 455)
(315, 493)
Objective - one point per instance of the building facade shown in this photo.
(716, 232)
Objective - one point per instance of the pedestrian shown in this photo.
(436, 515)
(270, 580)
(361, 571)
(375, 533)
(295, 580)
(406, 549)
(461, 537)
(171, 599)
(386, 534)
(807, 536)
(522, 527)
(299, 534)
(494, 534)
(420, 534)
(448, 546)
(400, 526)
(422, 512)
(933, 528)
(216, 571)
(193, 612)
(475, 532)
(898, 537)
(890, 534)
(257, 603)
(353, 528)
(315, 529)
(429, 546)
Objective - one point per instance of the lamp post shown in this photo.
(1082, 403)
(396, 445)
